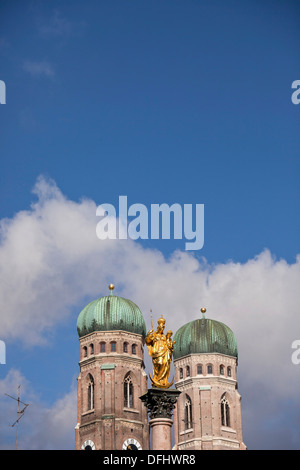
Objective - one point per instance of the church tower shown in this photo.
(208, 411)
(112, 376)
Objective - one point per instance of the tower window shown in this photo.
(199, 369)
(188, 417)
(225, 412)
(229, 371)
(209, 369)
(221, 370)
(181, 373)
(133, 349)
(113, 346)
(91, 387)
(188, 372)
(84, 351)
(125, 347)
(128, 392)
(92, 348)
(102, 347)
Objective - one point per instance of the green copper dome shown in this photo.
(204, 336)
(111, 313)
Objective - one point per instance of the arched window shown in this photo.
(188, 415)
(209, 369)
(133, 349)
(91, 390)
(181, 373)
(84, 351)
(113, 346)
(225, 412)
(125, 347)
(199, 369)
(91, 348)
(102, 347)
(229, 371)
(188, 372)
(128, 391)
(221, 370)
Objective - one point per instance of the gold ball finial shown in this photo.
(111, 287)
(203, 309)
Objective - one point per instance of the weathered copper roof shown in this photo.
(111, 313)
(204, 336)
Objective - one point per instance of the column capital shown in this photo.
(160, 402)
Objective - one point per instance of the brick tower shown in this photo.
(208, 411)
(112, 376)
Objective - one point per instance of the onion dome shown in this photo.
(204, 336)
(111, 313)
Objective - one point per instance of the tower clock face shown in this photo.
(88, 445)
(131, 444)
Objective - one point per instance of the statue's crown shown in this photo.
(161, 320)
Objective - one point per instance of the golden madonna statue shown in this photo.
(160, 347)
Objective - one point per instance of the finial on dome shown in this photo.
(203, 310)
(111, 288)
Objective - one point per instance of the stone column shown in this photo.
(161, 433)
(160, 403)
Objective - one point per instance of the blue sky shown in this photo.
(164, 102)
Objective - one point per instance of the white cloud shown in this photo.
(51, 260)
(41, 427)
(52, 428)
(38, 68)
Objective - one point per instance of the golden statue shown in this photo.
(160, 348)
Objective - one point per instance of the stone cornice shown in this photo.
(103, 358)
(202, 356)
(109, 333)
